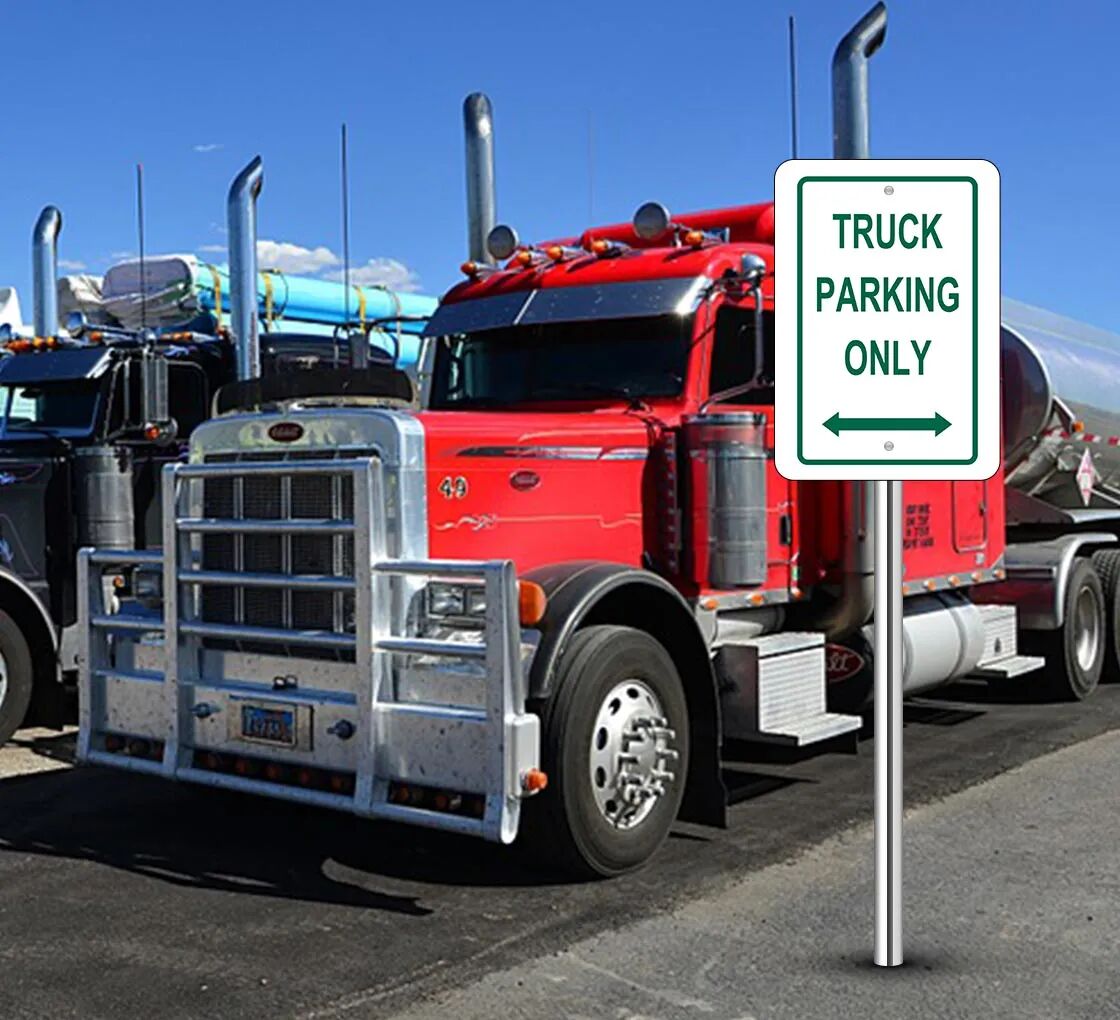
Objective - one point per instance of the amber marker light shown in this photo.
(534, 780)
(469, 268)
(693, 238)
(531, 603)
(555, 252)
(600, 247)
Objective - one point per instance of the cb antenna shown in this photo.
(793, 85)
(140, 232)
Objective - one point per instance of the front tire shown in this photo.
(16, 677)
(1075, 652)
(615, 747)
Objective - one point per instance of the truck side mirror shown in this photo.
(75, 323)
(153, 389)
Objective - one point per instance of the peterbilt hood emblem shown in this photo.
(286, 431)
(841, 662)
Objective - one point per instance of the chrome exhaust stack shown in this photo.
(851, 108)
(851, 139)
(241, 209)
(478, 125)
(44, 270)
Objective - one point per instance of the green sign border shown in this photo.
(975, 319)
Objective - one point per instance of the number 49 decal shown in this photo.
(453, 488)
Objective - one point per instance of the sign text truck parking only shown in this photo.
(886, 346)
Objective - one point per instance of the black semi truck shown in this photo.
(88, 418)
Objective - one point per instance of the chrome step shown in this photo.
(772, 690)
(1001, 659)
(1008, 667)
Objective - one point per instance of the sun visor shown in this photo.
(570, 304)
(54, 366)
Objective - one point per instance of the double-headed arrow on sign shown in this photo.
(937, 424)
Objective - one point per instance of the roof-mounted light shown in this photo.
(652, 221)
(502, 242)
(606, 249)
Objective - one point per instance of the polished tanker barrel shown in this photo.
(1061, 407)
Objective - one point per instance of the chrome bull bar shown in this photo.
(180, 690)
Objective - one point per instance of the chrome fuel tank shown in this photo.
(1061, 406)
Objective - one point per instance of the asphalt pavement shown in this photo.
(123, 895)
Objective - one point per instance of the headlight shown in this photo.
(446, 600)
(451, 600)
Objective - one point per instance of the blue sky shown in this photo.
(686, 104)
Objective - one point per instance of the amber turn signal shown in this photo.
(534, 781)
(531, 603)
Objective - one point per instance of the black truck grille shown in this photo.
(271, 497)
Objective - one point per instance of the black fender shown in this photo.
(584, 593)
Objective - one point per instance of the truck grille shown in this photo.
(270, 497)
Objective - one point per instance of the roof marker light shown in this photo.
(693, 238)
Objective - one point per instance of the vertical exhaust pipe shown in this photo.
(851, 109)
(241, 210)
(478, 124)
(851, 139)
(44, 271)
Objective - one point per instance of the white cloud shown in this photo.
(294, 258)
(120, 256)
(324, 263)
(383, 272)
(73, 265)
(208, 147)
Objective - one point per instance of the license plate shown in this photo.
(269, 725)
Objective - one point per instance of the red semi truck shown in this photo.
(542, 602)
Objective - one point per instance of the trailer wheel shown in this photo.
(1106, 562)
(16, 677)
(615, 746)
(1075, 652)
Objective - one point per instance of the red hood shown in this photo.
(537, 487)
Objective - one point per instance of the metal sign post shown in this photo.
(888, 723)
(887, 367)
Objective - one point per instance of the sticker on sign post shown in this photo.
(887, 319)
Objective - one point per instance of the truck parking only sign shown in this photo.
(887, 319)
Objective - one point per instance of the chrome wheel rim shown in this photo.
(3, 679)
(1087, 620)
(631, 751)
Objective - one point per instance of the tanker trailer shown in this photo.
(1060, 384)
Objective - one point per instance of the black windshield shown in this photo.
(61, 408)
(616, 359)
